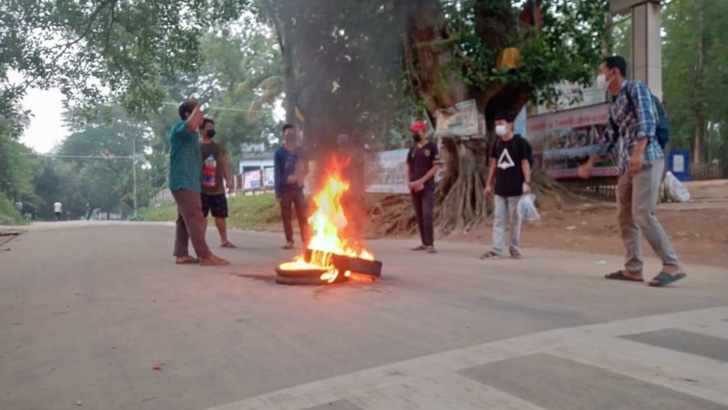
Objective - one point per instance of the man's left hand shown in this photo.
(230, 188)
(526, 188)
(636, 163)
(415, 186)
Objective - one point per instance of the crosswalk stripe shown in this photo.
(598, 345)
(441, 392)
(690, 374)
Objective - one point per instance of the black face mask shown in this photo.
(211, 133)
(417, 137)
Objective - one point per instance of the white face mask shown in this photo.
(501, 130)
(602, 82)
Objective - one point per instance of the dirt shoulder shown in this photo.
(699, 237)
(698, 228)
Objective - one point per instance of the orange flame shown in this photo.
(328, 222)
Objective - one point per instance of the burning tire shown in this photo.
(300, 276)
(357, 265)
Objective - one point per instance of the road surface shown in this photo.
(96, 316)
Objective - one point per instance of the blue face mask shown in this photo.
(211, 133)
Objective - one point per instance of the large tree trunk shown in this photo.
(429, 52)
(698, 108)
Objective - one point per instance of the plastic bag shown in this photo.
(527, 208)
(676, 191)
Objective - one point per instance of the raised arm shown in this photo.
(194, 121)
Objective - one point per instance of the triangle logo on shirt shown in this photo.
(505, 161)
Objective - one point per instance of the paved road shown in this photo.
(87, 311)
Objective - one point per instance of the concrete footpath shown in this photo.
(98, 314)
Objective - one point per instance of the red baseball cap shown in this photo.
(418, 126)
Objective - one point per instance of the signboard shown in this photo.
(387, 172)
(564, 140)
(251, 180)
(679, 164)
(460, 120)
(573, 96)
(269, 177)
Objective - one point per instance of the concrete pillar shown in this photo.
(646, 64)
(647, 46)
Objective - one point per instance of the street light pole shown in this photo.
(133, 164)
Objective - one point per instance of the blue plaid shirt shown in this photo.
(635, 116)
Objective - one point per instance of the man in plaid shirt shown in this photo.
(632, 131)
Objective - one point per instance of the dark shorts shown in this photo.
(215, 203)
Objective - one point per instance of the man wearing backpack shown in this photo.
(633, 130)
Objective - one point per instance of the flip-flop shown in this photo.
(488, 255)
(228, 245)
(620, 276)
(664, 278)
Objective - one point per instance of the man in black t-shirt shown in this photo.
(423, 161)
(512, 172)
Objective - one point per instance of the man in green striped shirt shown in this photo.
(185, 182)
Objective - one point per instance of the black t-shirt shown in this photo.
(508, 156)
(421, 160)
(529, 151)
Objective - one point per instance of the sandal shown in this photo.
(289, 245)
(419, 248)
(516, 255)
(491, 254)
(431, 249)
(229, 245)
(618, 275)
(664, 278)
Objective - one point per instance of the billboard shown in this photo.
(269, 177)
(564, 140)
(251, 180)
(462, 120)
(387, 172)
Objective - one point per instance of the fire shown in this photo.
(328, 222)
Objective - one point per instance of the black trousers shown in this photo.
(289, 199)
(424, 202)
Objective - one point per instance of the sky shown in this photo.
(46, 128)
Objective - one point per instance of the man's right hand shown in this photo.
(585, 170)
(488, 191)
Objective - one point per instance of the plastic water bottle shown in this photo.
(208, 172)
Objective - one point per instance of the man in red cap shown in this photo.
(423, 162)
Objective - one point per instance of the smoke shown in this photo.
(344, 75)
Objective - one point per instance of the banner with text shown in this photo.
(564, 140)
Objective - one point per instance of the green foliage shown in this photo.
(8, 213)
(120, 47)
(17, 169)
(93, 167)
(246, 212)
(568, 45)
(686, 91)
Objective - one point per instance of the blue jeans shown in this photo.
(506, 209)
